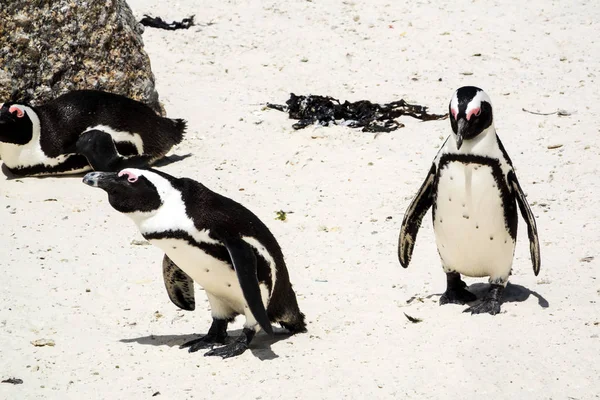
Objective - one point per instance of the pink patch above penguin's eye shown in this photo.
(475, 111)
(453, 111)
(15, 109)
(130, 176)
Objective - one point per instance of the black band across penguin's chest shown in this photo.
(494, 167)
(216, 251)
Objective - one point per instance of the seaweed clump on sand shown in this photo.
(158, 22)
(371, 117)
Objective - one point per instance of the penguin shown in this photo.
(472, 188)
(214, 241)
(83, 130)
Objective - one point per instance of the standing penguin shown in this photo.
(473, 187)
(213, 241)
(83, 130)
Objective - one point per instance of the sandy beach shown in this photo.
(78, 273)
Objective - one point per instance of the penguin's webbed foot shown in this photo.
(490, 306)
(203, 343)
(457, 296)
(236, 348)
(231, 350)
(490, 303)
(216, 335)
(456, 292)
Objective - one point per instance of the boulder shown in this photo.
(50, 47)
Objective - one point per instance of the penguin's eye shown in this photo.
(131, 177)
(16, 110)
(475, 111)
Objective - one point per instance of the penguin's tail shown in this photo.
(179, 125)
(291, 317)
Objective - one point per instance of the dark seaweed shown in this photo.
(413, 319)
(371, 117)
(158, 22)
(14, 381)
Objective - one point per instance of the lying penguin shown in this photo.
(83, 130)
(472, 187)
(213, 241)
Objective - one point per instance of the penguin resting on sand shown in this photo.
(83, 130)
(213, 241)
(472, 187)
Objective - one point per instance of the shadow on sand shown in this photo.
(512, 293)
(260, 346)
(160, 163)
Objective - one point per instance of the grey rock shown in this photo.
(50, 47)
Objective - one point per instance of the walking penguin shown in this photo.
(472, 187)
(83, 130)
(213, 241)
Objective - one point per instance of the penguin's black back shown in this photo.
(65, 118)
(210, 210)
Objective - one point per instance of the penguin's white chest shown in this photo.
(470, 229)
(215, 276)
(29, 155)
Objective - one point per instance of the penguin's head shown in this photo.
(470, 113)
(15, 123)
(132, 190)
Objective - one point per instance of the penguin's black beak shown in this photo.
(460, 132)
(100, 180)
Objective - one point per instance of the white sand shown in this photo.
(340, 248)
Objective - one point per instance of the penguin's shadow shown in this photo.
(512, 293)
(158, 164)
(170, 160)
(260, 346)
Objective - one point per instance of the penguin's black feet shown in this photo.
(231, 350)
(457, 296)
(236, 348)
(203, 343)
(490, 303)
(216, 335)
(455, 291)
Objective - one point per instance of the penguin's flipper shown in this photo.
(244, 263)
(180, 286)
(413, 217)
(534, 243)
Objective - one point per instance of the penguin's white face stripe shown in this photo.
(475, 104)
(30, 154)
(170, 213)
(472, 106)
(120, 136)
(16, 109)
(454, 105)
(163, 186)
